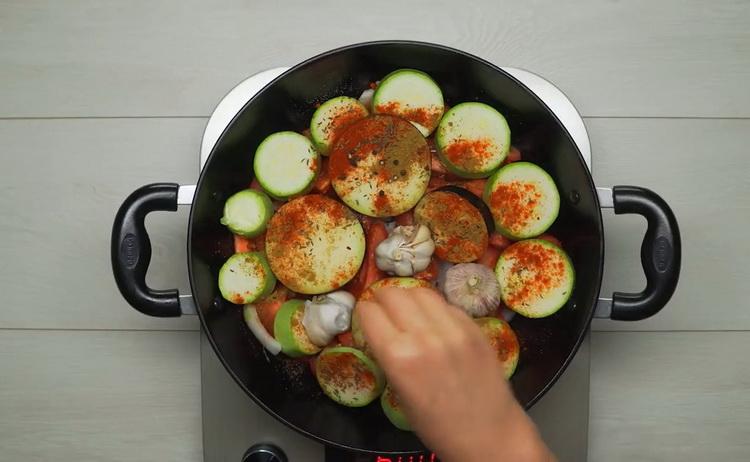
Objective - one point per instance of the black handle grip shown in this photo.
(661, 253)
(131, 250)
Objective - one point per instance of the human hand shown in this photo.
(447, 377)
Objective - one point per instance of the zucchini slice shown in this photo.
(314, 244)
(369, 294)
(458, 227)
(289, 331)
(536, 278)
(473, 139)
(411, 95)
(503, 340)
(286, 164)
(246, 277)
(380, 166)
(348, 376)
(247, 212)
(523, 199)
(392, 409)
(332, 117)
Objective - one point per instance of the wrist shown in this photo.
(516, 439)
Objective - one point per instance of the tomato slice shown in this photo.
(550, 238)
(345, 339)
(499, 241)
(405, 219)
(475, 187)
(376, 233)
(323, 181)
(489, 257)
(430, 273)
(269, 306)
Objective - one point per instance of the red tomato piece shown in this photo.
(499, 241)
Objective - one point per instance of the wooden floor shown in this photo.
(97, 98)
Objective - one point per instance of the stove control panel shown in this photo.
(334, 455)
(264, 453)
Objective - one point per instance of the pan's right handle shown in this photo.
(661, 254)
(131, 251)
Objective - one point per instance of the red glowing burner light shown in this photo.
(422, 458)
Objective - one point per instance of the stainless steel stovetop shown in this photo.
(232, 422)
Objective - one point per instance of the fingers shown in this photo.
(377, 327)
(402, 309)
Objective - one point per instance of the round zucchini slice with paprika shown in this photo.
(523, 199)
(314, 244)
(331, 118)
(411, 95)
(380, 166)
(289, 331)
(286, 164)
(246, 277)
(536, 277)
(247, 212)
(348, 376)
(458, 227)
(473, 139)
(369, 294)
(392, 409)
(503, 340)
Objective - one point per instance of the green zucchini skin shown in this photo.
(246, 277)
(286, 164)
(331, 117)
(247, 213)
(348, 376)
(536, 278)
(473, 139)
(412, 95)
(523, 199)
(289, 331)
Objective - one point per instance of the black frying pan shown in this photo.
(286, 388)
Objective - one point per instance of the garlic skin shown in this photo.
(473, 288)
(327, 315)
(406, 251)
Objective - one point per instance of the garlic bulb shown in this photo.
(406, 251)
(472, 287)
(328, 315)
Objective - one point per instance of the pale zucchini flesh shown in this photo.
(289, 331)
(286, 164)
(523, 199)
(473, 139)
(314, 244)
(246, 277)
(536, 278)
(503, 340)
(247, 213)
(348, 376)
(380, 166)
(332, 117)
(412, 95)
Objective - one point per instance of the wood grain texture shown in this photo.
(701, 168)
(60, 185)
(99, 396)
(666, 397)
(139, 58)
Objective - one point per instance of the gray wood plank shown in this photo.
(669, 396)
(60, 185)
(638, 58)
(700, 168)
(100, 396)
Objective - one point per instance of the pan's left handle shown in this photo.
(131, 250)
